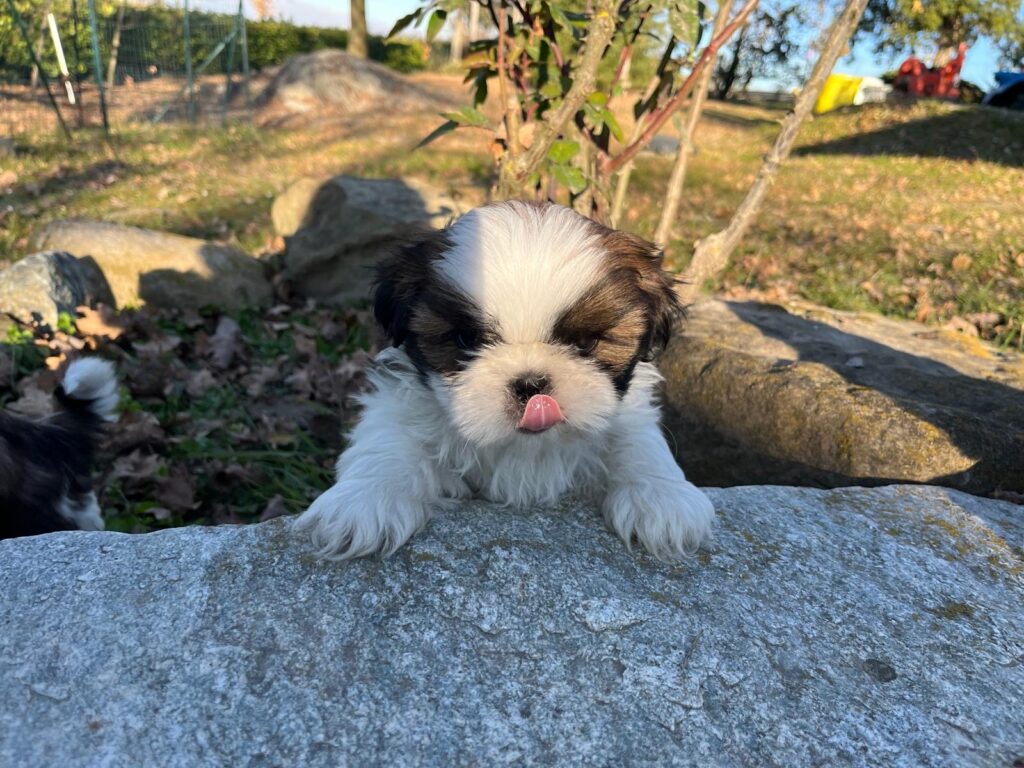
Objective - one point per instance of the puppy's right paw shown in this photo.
(352, 519)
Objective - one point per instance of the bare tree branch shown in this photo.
(646, 102)
(678, 176)
(712, 253)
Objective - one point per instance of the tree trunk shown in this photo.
(115, 45)
(474, 22)
(950, 37)
(357, 34)
(34, 77)
(727, 76)
(458, 39)
(712, 252)
(678, 176)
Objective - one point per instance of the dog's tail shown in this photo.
(89, 391)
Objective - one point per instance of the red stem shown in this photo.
(659, 117)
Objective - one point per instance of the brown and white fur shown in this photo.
(514, 308)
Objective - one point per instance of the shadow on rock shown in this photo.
(755, 394)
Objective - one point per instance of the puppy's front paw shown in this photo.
(670, 518)
(352, 519)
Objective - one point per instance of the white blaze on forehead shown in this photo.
(523, 265)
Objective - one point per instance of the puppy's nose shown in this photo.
(529, 384)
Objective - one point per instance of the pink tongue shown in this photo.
(541, 412)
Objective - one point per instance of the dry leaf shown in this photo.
(962, 262)
(225, 343)
(275, 508)
(177, 490)
(157, 346)
(200, 382)
(98, 322)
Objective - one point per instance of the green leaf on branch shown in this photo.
(562, 151)
(570, 177)
(613, 125)
(437, 133)
(598, 98)
(468, 116)
(405, 21)
(551, 89)
(436, 24)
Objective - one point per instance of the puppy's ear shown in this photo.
(657, 287)
(401, 279)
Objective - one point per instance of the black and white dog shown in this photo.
(521, 369)
(45, 466)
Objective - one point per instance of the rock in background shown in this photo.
(857, 627)
(46, 284)
(756, 394)
(337, 229)
(332, 79)
(144, 266)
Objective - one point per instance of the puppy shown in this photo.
(520, 370)
(45, 482)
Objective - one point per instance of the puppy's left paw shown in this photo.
(670, 518)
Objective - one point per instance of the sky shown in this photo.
(979, 66)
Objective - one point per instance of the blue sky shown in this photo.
(979, 67)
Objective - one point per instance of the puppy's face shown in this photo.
(527, 320)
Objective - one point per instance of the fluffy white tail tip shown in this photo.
(92, 381)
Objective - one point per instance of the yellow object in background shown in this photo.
(838, 91)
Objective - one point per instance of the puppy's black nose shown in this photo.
(528, 385)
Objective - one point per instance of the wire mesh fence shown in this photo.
(148, 63)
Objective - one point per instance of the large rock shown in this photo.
(46, 284)
(337, 229)
(857, 627)
(148, 267)
(330, 78)
(756, 394)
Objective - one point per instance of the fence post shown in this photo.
(78, 62)
(97, 65)
(35, 60)
(227, 75)
(245, 61)
(188, 70)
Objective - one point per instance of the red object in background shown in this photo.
(940, 82)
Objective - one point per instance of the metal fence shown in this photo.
(72, 68)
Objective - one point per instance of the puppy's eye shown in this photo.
(586, 345)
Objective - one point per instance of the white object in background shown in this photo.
(871, 91)
(61, 62)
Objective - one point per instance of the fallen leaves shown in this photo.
(225, 419)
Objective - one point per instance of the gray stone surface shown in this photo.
(663, 145)
(144, 266)
(331, 78)
(849, 627)
(48, 283)
(810, 396)
(337, 228)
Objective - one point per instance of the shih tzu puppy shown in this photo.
(45, 480)
(521, 369)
